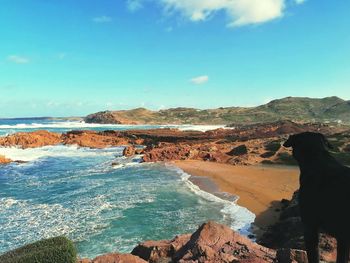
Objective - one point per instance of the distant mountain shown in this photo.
(299, 109)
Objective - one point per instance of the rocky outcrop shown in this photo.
(211, 243)
(250, 144)
(163, 250)
(94, 139)
(114, 258)
(129, 151)
(31, 139)
(4, 160)
(288, 232)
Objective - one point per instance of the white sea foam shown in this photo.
(241, 217)
(83, 125)
(31, 154)
(35, 221)
(66, 124)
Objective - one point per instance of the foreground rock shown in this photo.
(288, 232)
(114, 258)
(211, 243)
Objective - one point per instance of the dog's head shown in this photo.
(307, 144)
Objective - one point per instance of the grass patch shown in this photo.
(52, 250)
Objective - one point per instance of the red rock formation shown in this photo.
(114, 258)
(155, 251)
(214, 243)
(250, 144)
(129, 151)
(94, 139)
(211, 243)
(31, 139)
(4, 160)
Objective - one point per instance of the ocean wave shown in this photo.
(24, 221)
(32, 154)
(69, 125)
(241, 217)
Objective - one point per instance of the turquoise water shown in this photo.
(101, 200)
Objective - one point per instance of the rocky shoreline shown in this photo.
(216, 243)
(245, 145)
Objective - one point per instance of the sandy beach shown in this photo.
(260, 188)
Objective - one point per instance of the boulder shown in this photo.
(212, 242)
(155, 251)
(239, 150)
(129, 151)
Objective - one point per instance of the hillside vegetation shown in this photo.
(329, 109)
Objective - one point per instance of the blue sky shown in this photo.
(74, 57)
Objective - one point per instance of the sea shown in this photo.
(101, 200)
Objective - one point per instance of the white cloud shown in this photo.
(134, 5)
(199, 80)
(102, 19)
(239, 12)
(18, 59)
(299, 2)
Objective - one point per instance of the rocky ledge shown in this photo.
(249, 144)
(211, 243)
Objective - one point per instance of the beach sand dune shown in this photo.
(260, 188)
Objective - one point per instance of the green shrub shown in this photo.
(285, 158)
(273, 146)
(267, 154)
(52, 250)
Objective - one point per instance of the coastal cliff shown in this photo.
(330, 109)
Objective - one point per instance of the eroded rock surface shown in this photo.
(211, 243)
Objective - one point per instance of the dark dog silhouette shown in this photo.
(324, 196)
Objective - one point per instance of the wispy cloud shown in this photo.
(18, 59)
(61, 55)
(199, 80)
(134, 5)
(238, 12)
(102, 19)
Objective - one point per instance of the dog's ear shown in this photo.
(326, 142)
(290, 142)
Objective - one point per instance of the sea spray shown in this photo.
(81, 193)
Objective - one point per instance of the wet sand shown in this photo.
(260, 188)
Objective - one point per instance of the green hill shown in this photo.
(329, 109)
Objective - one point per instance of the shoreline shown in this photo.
(259, 188)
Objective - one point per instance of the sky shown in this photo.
(75, 57)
